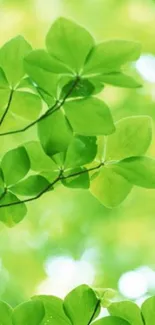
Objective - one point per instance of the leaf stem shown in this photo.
(47, 188)
(7, 108)
(57, 105)
(94, 312)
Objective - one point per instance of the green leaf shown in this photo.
(148, 311)
(39, 66)
(132, 138)
(29, 313)
(109, 56)
(54, 313)
(139, 171)
(81, 305)
(69, 43)
(126, 310)
(90, 116)
(109, 187)
(111, 320)
(80, 178)
(31, 186)
(25, 105)
(81, 151)
(3, 81)
(15, 165)
(11, 59)
(12, 214)
(5, 314)
(54, 133)
(84, 88)
(119, 79)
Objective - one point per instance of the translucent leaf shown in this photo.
(1, 183)
(82, 150)
(109, 187)
(111, 320)
(69, 43)
(109, 56)
(31, 186)
(11, 59)
(54, 313)
(3, 81)
(31, 313)
(126, 310)
(131, 138)
(39, 67)
(54, 133)
(89, 117)
(119, 79)
(12, 214)
(79, 180)
(148, 311)
(81, 305)
(139, 171)
(15, 165)
(5, 314)
(25, 105)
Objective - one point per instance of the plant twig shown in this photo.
(7, 108)
(57, 105)
(47, 188)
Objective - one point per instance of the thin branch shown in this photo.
(50, 185)
(94, 312)
(7, 108)
(57, 105)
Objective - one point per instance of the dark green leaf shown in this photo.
(29, 313)
(12, 214)
(80, 178)
(89, 117)
(54, 133)
(31, 186)
(81, 305)
(15, 165)
(5, 314)
(84, 88)
(54, 313)
(82, 150)
(69, 43)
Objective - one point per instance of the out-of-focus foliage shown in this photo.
(99, 244)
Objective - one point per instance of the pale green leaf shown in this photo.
(90, 116)
(109, 187)
(148, 311)
(69, 43)
(111, 320)
(139, 171)
(126, 310)
(131, 138)
(119, 79)
(109, 56)
(11, 59)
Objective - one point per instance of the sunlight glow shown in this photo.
(132, 284)
(48, 9)
(64, 274)
(146, 67)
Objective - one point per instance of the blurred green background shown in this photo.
(68, 237)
